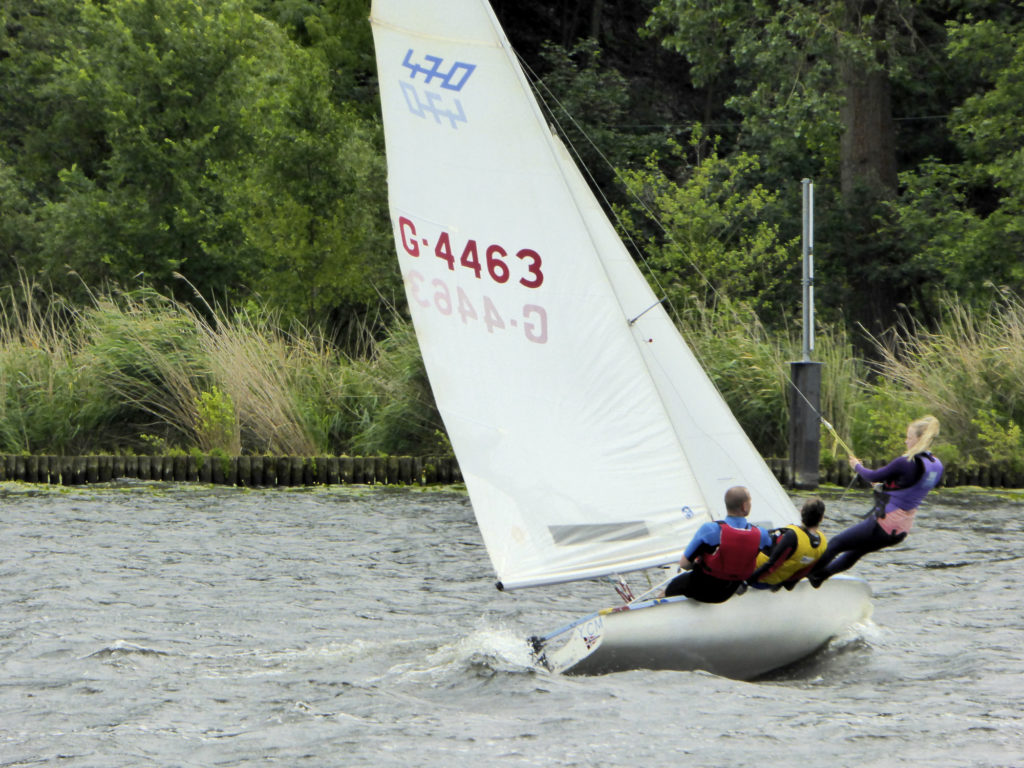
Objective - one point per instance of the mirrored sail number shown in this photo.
(491, 259)
(437, 295)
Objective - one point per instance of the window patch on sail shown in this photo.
(569, 535)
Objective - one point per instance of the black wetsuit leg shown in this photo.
(677, 586)
(699, 586)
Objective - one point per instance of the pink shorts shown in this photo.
(897, 521)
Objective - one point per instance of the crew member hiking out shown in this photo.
(905, 481)
(795, 550)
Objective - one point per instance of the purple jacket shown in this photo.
(906, 481)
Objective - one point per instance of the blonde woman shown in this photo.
(905, 481)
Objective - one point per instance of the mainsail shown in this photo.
(589, 437)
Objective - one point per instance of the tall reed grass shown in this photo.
(140, 372)
(49, 401)
(968, 371)
(751, 367)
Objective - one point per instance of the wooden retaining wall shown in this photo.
(995, 476)
(270, 471)
(245, 471)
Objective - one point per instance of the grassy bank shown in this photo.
(138, 373)
(968, 371)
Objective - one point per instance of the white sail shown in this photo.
(590, 444)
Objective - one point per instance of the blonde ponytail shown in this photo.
(926, 429)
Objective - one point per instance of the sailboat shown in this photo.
(591, 441)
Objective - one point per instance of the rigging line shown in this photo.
(538, 84)
(550, 99)
(713, 438)
(830, 428)
(645, 596)
(584, 169)
(822, 419)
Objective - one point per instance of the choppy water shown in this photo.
(164, 625)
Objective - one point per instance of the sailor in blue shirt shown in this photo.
(722, 554)
(709, 536)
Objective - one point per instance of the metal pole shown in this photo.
(808, 269)
(805, 376)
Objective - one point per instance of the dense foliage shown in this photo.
(232, 149)
(146, 140)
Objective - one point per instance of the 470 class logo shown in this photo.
(420, 96)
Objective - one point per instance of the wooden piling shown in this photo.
(216, 471)
(269, 471)
(284, 471)
(330, 467)
(257, 463)
(345, 470)
(244, 477)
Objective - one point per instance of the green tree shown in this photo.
(154, 88)
(961, 217)
(33, 33)
(835, 91)
(716, 241)
(311, 202)
(165, 137)
(590, 103)
(339, 33)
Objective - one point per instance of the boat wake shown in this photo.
(484, 653)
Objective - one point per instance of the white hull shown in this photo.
(743, 638)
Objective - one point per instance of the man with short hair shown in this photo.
(722, 554)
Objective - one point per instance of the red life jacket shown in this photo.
(736, 556)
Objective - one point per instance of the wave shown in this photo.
(123, 649)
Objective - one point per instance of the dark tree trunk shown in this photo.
(868, 174)
(596, 14)
(868, 145)
(867, 153)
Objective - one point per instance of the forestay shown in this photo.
(590, 439)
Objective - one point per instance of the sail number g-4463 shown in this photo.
(492, 259)
(439, 296)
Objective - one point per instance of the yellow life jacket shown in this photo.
(799, 561)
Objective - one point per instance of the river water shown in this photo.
(148, 624)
